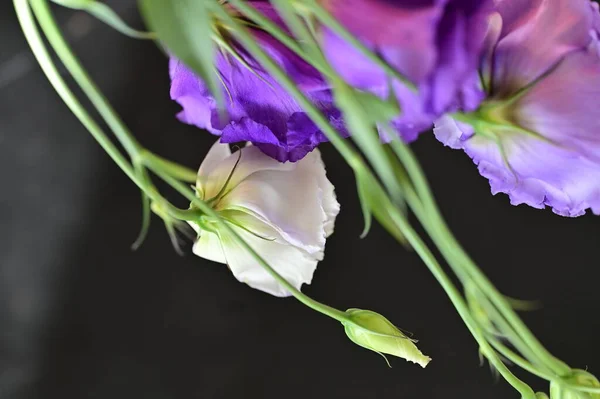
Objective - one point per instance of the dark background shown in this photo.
(82, 316)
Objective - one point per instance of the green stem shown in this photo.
(174, 169)
(460, 261)
(459, 303)
(273, 29)
(525, 365)
(511, 334)
(55, 38)
(43, 57)
(300, 30)
(518, 360)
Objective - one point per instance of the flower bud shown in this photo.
(541, 395)
(578, 377)
(374, 332)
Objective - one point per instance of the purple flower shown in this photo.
(537, 135)
(436, 44)
(259, 110)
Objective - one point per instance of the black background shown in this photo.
(82, 316)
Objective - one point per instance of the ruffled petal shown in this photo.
(530, 169)
(329, 202)
(537, 138)
(292, 263)
(199, 106)
(291, 202)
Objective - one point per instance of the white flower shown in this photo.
(284, 211)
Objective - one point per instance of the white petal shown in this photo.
(289, 201)
(251, 160)
(215, 156)
(292, 263)
(208, 246)
(328, 199)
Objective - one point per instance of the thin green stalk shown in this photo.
(511, 334)
(57, 42)
(525, 365)
(449, 253)
(174, 169)
(518, 360)
(43, 57)
(462, 263)
(459, 303)
(278, 33)
(40, 52)
(285, 8)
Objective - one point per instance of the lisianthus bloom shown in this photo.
(436, 45)
(284, 211)
(537, 135)
(259, 110)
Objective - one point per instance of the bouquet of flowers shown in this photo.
(510, 82)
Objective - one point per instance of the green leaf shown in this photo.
(105, 14)
(364, 133)
(365, 207)
(186, 29)
(374, 201)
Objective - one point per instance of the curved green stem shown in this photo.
(518, 360)
(174, 169)
(279, 34)
(460, 261)
(65, 54)
(43, 57)
(459, 303)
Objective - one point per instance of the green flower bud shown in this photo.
(541, 395)
(374, 332)
(579, 377)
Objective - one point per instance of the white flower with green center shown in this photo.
(284, 211)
